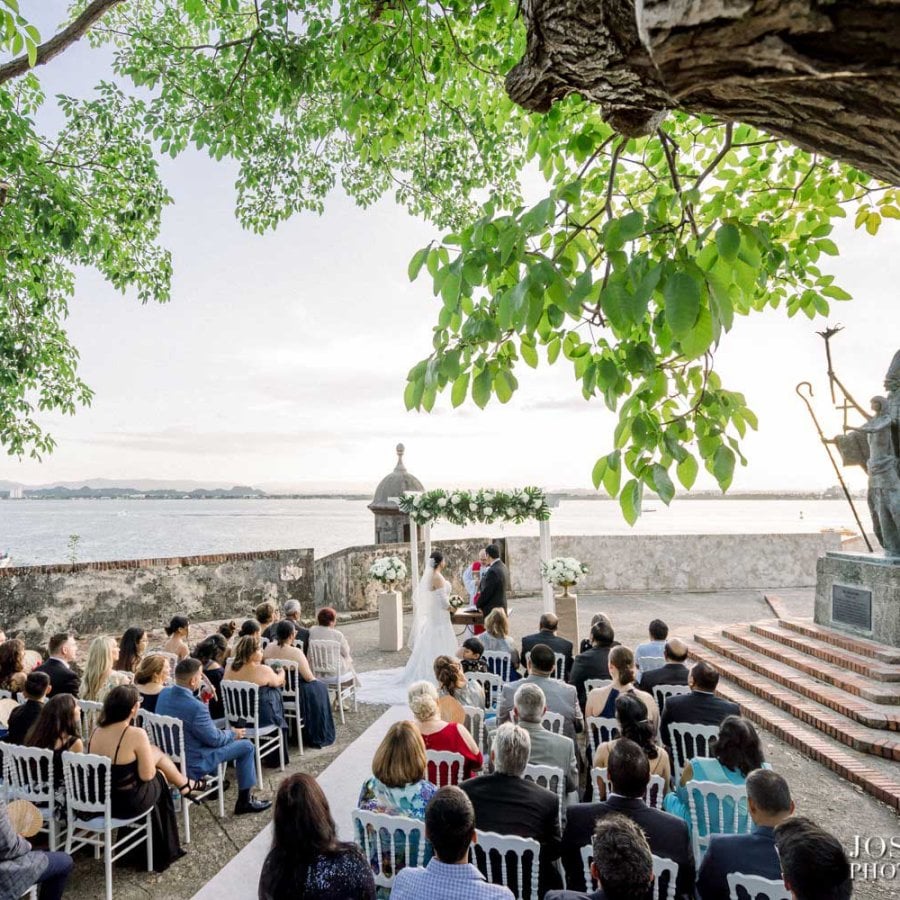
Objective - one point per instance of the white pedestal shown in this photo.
(390, 621)
(567, 613)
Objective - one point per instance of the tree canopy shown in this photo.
(645, 245)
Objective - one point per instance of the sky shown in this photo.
(281, 359)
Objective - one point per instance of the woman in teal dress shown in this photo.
(736, 753)
(399, 787)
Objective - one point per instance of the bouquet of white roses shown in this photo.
(388, 570)
(563, 571)
(456, 602)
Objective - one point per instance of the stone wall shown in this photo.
(676, 562)
(110, 596)
(342, 578)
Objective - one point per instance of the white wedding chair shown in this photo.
(757, 888)
(708, 798)
(325, 659)
(661, 866)
(390, 843)
(599, 730)
(662, 692)
(474, 723)
(559, 670)
(649, 663)
(498, 662)
(689, 741)
(554, 780)
(492, 685)
(652, 797)
(241, 702)
(290, 694)
(445, 767)
(553, 722)
(29, 775)
(90, 715)
(592, 684)
(496, 854)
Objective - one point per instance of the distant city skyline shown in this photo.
(282, 358)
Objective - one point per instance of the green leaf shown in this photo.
(612, 477)
(687, 471)
(504, 385)
(728, 242)
(699, 339)
(630, 500)
(662, 484)
(723, 466)
(529, 355)
(598, 472)
(682, 295)
(460, 389)
(481, 388)
(416, 263)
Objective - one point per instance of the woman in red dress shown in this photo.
(441, 735)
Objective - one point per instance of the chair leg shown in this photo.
(221, 791)
(340, 693)
(186, 812)
(259, 774)
(149, 828)
(107, 862)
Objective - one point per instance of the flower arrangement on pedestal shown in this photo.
(467, 507)
(563, 571)
(387, 571)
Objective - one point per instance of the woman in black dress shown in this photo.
(212, 652)
(58, 728)
(141, 773)
(307, 862)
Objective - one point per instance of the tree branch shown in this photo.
(59, 42)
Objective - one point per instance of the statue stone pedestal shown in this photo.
(859, 594)
(567, 613)
(390, 621)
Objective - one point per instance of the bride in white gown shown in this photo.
(431, 635)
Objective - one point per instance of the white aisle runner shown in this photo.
(341, 782)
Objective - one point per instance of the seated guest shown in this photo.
(177, 631)
(212, 653)
(21, 867)
(307, 860)
(631, 714)
(547, 748)
(132, 648)
(151, 677)
(814, 865)
(57, 728)
(602, 701)
(37, 684)
(673, 672)
(292, 615)
(249, 628)
(315, 706)
(647, 656)
(507, 803)
(205, 745)
(326, 631)
(622, 863)
(586, 642)
(629, 775)
(140, 773)
(593, 662)
(12, 665)
(62, 652)
(99, 678)
(700, 707)
(736, 753)
(549, 638)
(496, 638)
(470, 653)
(265, 615)
(769, 803)
(561, 697)
(228, 630)
(438, 734)
(450, 828)
(453, 683)
(247, 665)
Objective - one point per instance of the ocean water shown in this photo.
(37, 531)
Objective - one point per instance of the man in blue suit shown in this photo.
(205, 745)
(769, 803)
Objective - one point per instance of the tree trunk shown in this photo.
(824, 74)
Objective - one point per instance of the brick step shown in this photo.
(863, 739)
(838, 656)
(860, 646)
(811, 742)
(837, 676)
(859, 710)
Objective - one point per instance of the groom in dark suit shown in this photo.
(493, 582)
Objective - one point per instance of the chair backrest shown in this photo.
(716, 809)
(689, 741)
(652, 797)
(591, 684)
(559, 670)
(587, 856)
(291, 669)
(241, 702)
(599, 730)
(6, 695)
(325, 658)
(553, 722)
(492, 686)
(388, 843)
(508, 860)
(553, 779)
(665, 874)
(263, 642)
(498, 662)
(649, 663)
(755, 888)
(445, 767)
(167, 733)
(29, 773)
(474, 723)
(90, 715)
(87, 780)
(662, 692)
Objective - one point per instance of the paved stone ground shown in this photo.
(832, 802)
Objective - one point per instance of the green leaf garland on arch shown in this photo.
(484, 505)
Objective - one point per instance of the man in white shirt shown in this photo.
(651, 655)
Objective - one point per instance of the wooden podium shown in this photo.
(467, 618)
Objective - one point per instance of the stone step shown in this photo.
(863, 739)
(881, 784)
(852, 707)
(838, 656)
(861, 646)
(875, 692)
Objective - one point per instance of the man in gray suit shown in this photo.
(547, 749)
(561, 697)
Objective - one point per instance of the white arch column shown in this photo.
(546, 553)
